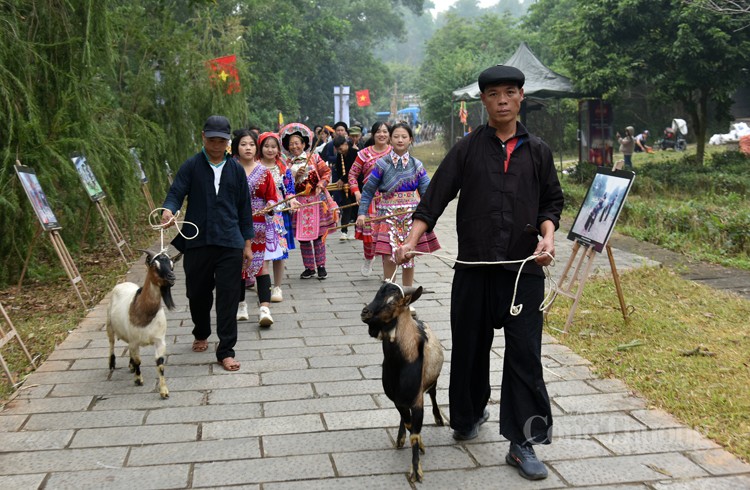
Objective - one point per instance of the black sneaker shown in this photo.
(307, 274)
(322, 274)
(523, 457)
(472, 433)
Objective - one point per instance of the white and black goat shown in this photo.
(137, 316)
(413, 358)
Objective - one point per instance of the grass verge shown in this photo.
(694, 357)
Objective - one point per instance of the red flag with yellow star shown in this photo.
(363, 97)
(224, 73)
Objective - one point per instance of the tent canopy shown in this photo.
(541, 82)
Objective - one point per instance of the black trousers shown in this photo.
(205, 268)
(348, 215)
(480, 303)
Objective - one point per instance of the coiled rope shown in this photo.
(158, 225)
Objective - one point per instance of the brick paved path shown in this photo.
(307, 410)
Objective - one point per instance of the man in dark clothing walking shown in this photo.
(219, 205)
(509, 194)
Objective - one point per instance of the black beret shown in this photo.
(498, 74)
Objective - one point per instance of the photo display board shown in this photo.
(37, 198)
(600, 208)
(93, 189)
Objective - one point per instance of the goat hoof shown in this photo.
(164, 395)
(139, 381)
(416, 474)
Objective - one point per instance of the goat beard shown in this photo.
(166, 294)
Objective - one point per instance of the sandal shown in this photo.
(229, 364)
(200, 345)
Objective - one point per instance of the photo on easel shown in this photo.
(600, 208)
(141, 174)
(38, 199)
(88, 179)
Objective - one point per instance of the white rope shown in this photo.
(515, 310)
(158, 225)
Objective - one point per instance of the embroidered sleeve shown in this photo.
(373, 182)
(354, 173)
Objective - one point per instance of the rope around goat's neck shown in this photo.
(515, 310)
(162, 226)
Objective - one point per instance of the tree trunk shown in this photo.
(700, 131)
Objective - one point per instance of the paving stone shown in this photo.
(601, 423)
(267, 344)
(48, 405)
(172, 476)
(569, 359)
(310, 375)
(261, 394)
(625, 469)
(326, 442)
(376, 418)
(194, 452)
(502, 476)
(113, 387)
(724, 483)
(53, 366)
(390, 461)
(609, 385)
(566, 388)
(236, 380)
(13, 482)
(357, 360)
(81, 420)
(147, 400)
(655, 418)
(719, 462)
(134, 436)
(370, 482)
(341, 339)
(228, 429)
(34, 440)
(604, 402)
(655, 441)
(262, 470)
(66, 377)
(11, 423)
(319, 405)
(333, 350)
(203, 413)
(101, 353)
(299, 332)
(340, 388)
(61, 460)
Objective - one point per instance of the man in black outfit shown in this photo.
(509, 194)
(219, 205)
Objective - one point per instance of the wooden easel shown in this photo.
(114, 231)
(147, 195)
(574, 287)
(579, 278)
(70, 267)
(7, 337)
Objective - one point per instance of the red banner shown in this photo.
(363, 97)
(224, 73)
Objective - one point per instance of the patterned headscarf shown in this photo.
(261, 139)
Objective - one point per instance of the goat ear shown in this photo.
(412, 294)
(177, 258)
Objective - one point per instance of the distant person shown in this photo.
(627, 146)
(640, 142)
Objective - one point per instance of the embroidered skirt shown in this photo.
(391, 232)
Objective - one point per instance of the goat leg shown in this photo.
(416, 465)
(435, 408)
(405, 424)
(160, 350)
(111, 336)
(135, 365)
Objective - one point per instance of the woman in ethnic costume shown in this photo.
(401, 180)
(266, 239)
(270, 157)
(377, 147)
(316, 213)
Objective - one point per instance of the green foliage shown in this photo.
(680, 51)
(457, 53)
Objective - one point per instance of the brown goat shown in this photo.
(412, 360)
